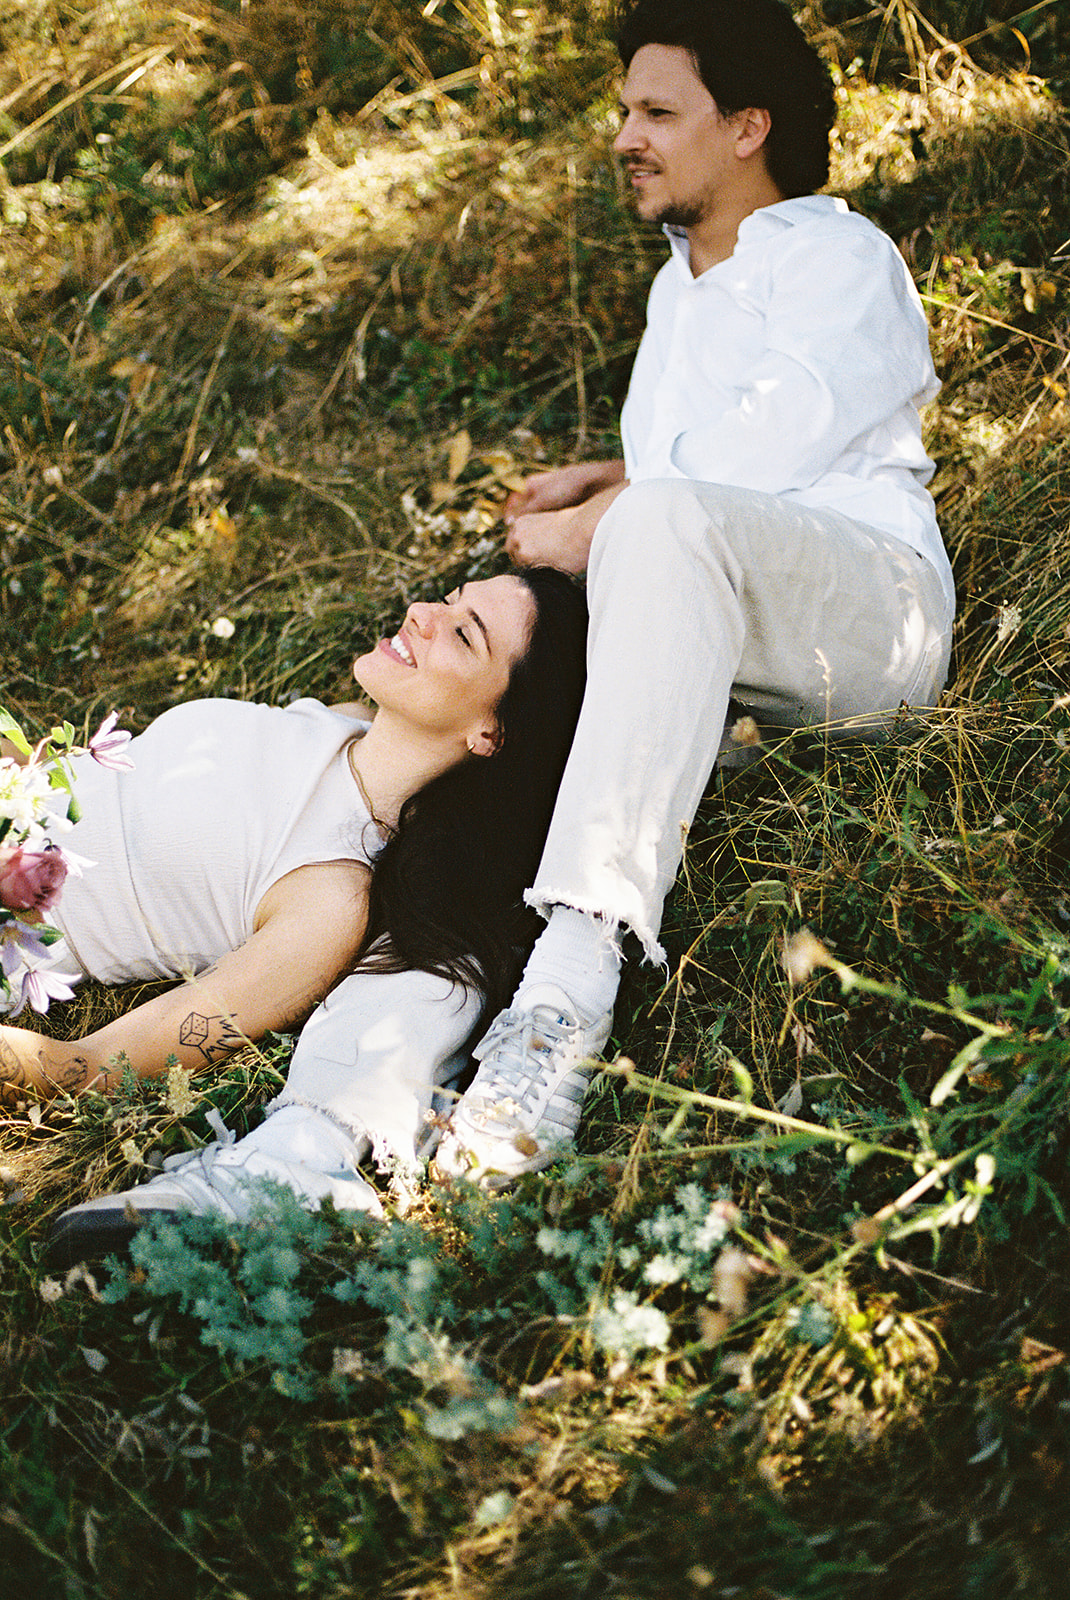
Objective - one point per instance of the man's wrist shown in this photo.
(609, 474)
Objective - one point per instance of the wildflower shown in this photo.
(107, 743)
(801, 953)
(40, 987)
(179, 1099)
(17, 941)
(23, 793)
(347, 1363)
(746, 732)
(625, 1326)
(732, 1276)
(1008, 622)
(74, 863)
(664, 1269)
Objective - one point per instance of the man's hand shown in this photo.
(562, 486)
(560, 539)
(552, 520)
(551, 539)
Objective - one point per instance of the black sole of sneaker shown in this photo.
(90, 1236)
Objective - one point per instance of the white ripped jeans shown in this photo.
(361, 1085)
(700, 593)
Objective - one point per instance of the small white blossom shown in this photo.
(179, 1099)
(625, 1326)
(663, 1269)
(24, 792)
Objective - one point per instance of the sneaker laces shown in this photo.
(203, 1158)
(523, 1063)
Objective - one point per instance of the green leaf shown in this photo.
(743, 1081)
(9, 729)
(965, 1058)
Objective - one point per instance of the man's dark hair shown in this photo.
(749, 53)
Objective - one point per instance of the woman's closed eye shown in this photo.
(462, 629)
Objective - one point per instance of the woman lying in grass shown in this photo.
(263, 853)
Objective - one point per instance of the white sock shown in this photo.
(578, 955)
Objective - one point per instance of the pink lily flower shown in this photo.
(107, 743)
(17, 941)
(41, 986)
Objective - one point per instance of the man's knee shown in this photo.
(658, 512)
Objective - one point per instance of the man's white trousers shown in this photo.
(700, 594)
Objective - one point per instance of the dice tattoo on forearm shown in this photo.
(211, 1037)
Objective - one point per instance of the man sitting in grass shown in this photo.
(766, 536)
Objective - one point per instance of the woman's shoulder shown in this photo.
(351, 711)
(235, 718)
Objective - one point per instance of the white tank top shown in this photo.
(225, 798)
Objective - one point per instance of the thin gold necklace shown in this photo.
(384, 827)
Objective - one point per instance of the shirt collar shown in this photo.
(761, 224)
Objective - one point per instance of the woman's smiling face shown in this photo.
(446, 669)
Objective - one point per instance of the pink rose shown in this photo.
(30, 880)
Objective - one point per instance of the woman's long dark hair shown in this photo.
(447, 888)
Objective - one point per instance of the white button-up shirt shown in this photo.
(796, 367)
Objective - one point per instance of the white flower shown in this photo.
(179, 1099)
(625, 1326)
(664, 1269)
(23, 792)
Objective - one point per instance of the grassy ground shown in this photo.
(289, 296)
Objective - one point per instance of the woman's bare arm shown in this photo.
(307, 938)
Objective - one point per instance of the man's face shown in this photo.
(678, 149)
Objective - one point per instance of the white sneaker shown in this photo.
(229, 1178)
(522, 1109)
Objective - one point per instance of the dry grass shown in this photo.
(289, 296)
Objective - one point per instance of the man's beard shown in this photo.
(677, 214)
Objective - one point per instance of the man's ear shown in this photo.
(752, 130)
(487, 741)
